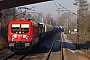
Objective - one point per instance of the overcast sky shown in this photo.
(49, 7)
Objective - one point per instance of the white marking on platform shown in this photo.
(71, 51)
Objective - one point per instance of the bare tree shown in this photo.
(40, 17)
(66, 19)
(37, 16)
(8, 15)
(49, 18)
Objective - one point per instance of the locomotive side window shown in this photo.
(25, 28)
(15, 28)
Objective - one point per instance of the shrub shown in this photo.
(66, 31)
(88, 27)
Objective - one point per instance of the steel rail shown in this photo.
(50, 50)
(62, 56)
(23, 56)
(2, 50)
(9, 56)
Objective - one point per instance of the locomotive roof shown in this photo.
(45, 24)
(33, 22)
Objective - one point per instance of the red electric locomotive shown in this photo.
(22, 34)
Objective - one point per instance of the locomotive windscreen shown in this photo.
(25, 28)
(20, 28)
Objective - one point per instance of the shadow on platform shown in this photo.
(74, 46)
(85, 45)
(71, 46)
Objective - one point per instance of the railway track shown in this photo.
(62, 55)
(50, 50)
(2, 50)
(38, 53)
(16, 56)
(9, 56)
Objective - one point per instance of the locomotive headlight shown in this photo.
(27, 37)
(12, 37)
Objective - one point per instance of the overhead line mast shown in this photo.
(81, 14)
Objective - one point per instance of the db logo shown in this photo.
(19, 36)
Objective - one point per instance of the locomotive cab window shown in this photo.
(20, 28)
(15, 28)
(25, 28)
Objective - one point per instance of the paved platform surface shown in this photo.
(69, 50)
